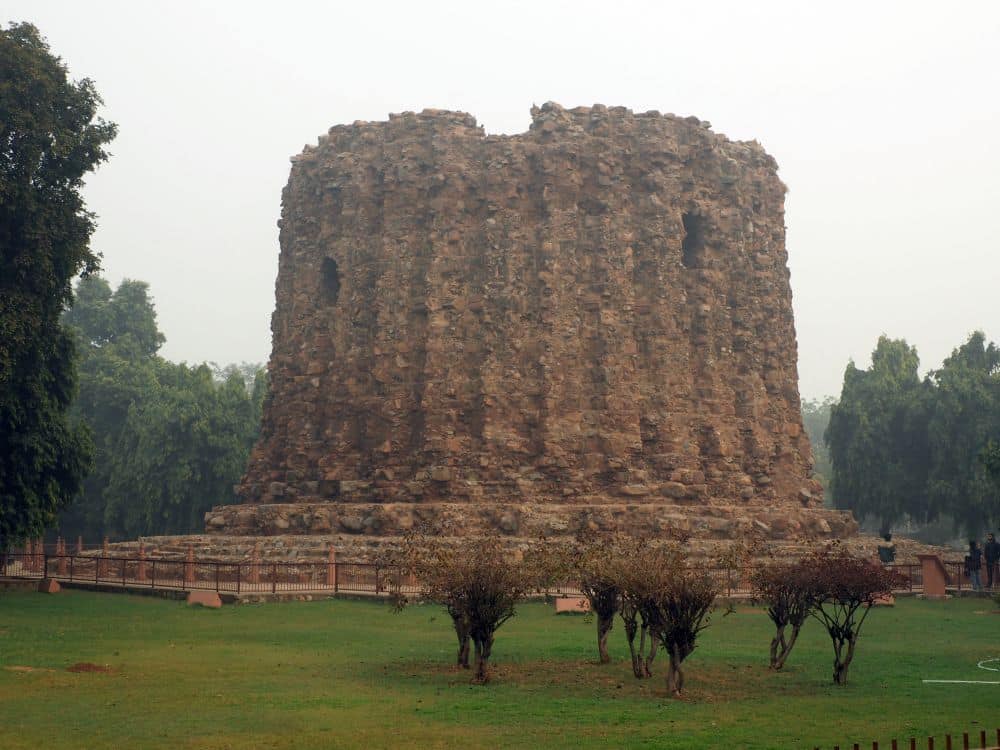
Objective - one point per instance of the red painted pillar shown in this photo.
(331, 566)
(189, 566)
(61, 552)
(102, 564)
(255, 564)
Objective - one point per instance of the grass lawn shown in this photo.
(354, 674)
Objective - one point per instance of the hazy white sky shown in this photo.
(884, 118)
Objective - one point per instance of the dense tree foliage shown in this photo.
(815, 419)
(170, 439)
(50, 138)
(964, 415)
(903, 447)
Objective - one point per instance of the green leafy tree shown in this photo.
(117, 338)
(876, 437)
(815, 419)
(50, 138)
(991, 460)
(171, 440)
(964, 417)
(180, 451)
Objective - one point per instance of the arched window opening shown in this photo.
(693, 244)
(330, 280)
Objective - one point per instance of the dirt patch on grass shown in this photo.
(19, 668)
(86, 666)
(706, 683)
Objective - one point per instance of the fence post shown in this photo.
(965, 741)
(947, 742)
(336, 584)
(255, 564)
(331, 566)
(982, 738)
(103, 565)
(61, 557)
(140, 573)
(239, 572)
(274, 578)
(189, 565)
(152, 580)
(216, 577)
(123, 561)
(72, 559)
(930, 743)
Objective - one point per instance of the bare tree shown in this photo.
(676, 607)
(478, 582)
(595, 562)
(845, 589)
(786, 588)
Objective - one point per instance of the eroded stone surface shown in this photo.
(595, 311)
(534, 520)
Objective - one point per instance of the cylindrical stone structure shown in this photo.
(586, 326)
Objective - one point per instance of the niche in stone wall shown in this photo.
(329, 281)
(693, 244)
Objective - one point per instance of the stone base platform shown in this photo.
(366, 548)
(364, 532)
(532, 520)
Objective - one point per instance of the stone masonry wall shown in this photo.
(596, 310)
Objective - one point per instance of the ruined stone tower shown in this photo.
(587, 324)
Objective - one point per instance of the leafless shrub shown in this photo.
(478, 582)
(595, 562)
(786, 587)
(845, 588)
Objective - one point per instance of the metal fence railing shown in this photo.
(98, 566)
(217, 575)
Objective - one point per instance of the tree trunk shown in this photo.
(675, 675)
(647, 664)
(604, 625)
(631, 628)
(777, 645)
(463, 651)
(842, 663)
(483, 646)
(786, 647)
(462, 633)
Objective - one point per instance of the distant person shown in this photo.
(973, 564)
(887, 551)
(991, 551)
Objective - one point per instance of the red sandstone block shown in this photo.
(572, 604)
(49, 586)
(205, 599)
